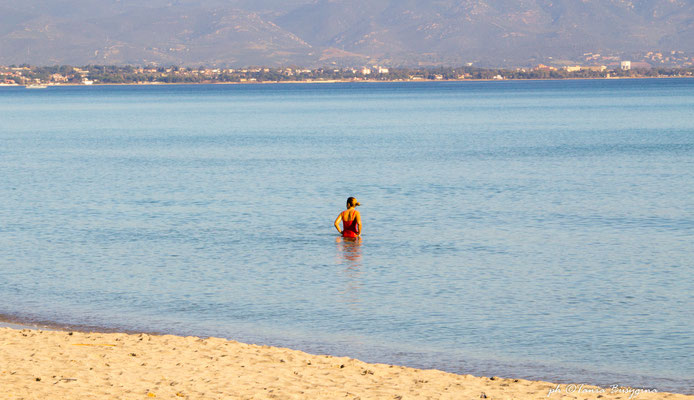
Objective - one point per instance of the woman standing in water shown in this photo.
(351, 220)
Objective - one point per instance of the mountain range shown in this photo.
(338, 32)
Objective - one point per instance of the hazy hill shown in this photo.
(493, 30)
(305, 32)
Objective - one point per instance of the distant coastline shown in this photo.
(35, 76)
(352, 81)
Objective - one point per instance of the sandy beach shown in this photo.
(42, 364)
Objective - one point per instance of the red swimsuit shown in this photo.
(349, 227)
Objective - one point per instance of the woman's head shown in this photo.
(352, 202)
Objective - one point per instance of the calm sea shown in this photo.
(523, 229)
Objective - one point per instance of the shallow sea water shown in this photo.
(525, 229)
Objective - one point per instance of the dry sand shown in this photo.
(36, 364)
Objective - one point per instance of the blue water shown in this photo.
(523, 229)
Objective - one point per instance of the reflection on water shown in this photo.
(349, 255)
(349, 251)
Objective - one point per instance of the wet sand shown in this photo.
(42, 364)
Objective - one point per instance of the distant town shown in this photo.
(37, 76)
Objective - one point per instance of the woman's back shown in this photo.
(350, 227)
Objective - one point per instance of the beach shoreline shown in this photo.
(17, 322)
(66, 364)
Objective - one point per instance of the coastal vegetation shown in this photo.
(103, 74)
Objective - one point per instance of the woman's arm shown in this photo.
(337, 223)
(358, 216)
